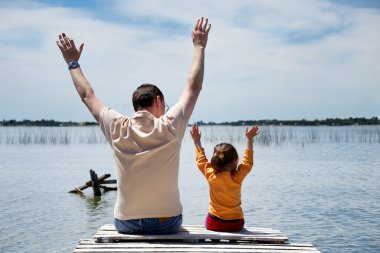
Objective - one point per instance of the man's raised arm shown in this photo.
(195, 79)
(71, 55)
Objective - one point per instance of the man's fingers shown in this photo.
(64, 37)
(205, 25)
(199, 24)
(208, 28)
(59, 45)
(64, 40)
(196, 25)
(67, 41)
(71, 41)
(81, 48)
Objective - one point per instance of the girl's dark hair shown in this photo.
(144, 96)
(223, 158)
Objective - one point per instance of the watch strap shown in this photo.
(73, 65)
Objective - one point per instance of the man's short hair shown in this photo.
(144, 96)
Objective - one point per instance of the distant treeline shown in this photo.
(326, 122)
(43, 122)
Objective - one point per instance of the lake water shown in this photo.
(316, 184)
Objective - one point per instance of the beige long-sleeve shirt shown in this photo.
(146, 153)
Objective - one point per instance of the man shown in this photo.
(146, 147)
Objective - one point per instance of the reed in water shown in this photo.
(270, 135)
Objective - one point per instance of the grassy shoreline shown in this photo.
(272, 122)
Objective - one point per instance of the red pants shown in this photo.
(217, 224)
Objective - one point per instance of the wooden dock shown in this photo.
(193, 239)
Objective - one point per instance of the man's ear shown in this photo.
(159, 100)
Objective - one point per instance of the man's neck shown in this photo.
(152, 110)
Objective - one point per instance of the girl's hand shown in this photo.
(195, 133)
(252, 132)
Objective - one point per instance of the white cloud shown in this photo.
(265, 59)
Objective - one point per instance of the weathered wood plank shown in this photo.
(192, 250)
(106, 188)
(79, 189)
(197, 228)
(128, 247)
(187, 236)
(181, 244)
(193, 228)
(94, 245)
(194, 233)
(198, 232)
(193, 239)
(110, 181)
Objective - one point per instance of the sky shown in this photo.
(265, 59)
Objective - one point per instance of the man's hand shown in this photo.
(71, 53)
(200, 33)
(67, 46)
(195, 79)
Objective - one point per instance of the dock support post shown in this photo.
(95, 183)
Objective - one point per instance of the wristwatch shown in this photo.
(73, 65)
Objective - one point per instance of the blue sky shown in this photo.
(267, 59)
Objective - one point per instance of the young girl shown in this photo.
(225, 179)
